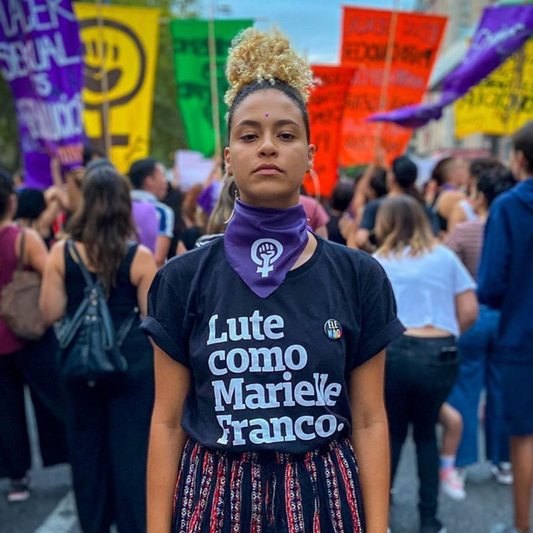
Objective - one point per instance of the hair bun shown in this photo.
(257, 56)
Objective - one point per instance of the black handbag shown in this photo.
(89, 345)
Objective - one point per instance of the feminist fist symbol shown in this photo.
(265, 252)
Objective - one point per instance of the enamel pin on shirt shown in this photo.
(333, 329)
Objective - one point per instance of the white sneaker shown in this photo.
(452, 484)
(503, 473)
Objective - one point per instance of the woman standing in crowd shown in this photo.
(478, 348)
(422, 364)
(263, 382)
(108, 423)
(446, 188)
(25, 363)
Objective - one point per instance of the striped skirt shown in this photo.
(267, 492)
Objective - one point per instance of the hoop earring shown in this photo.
(233, 210)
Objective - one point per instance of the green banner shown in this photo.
(191, 63)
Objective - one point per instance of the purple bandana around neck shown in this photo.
(262, 244)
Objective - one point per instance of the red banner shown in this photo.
(365, 39)
(326, 106)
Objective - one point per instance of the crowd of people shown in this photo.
(387, 301)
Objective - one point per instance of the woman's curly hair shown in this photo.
(259, 61)
(257, 56)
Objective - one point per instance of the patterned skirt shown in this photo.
(267, 492)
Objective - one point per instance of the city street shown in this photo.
(51, 506)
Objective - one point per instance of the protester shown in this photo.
(464, 210)
(148, 179)
(24, 363)
(401, 179)
(504, 278)
(339, 219)
(107, 422)
(478, 352)
(317, 216)
(257, 452)
(446, 188)
(422, 364)
(38, 212)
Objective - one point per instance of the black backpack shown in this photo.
(89, 345)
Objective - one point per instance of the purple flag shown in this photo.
(502, 31)
(41, 59)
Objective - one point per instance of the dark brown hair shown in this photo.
(103, 222)
(523, 142)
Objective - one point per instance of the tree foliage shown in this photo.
(167, 132)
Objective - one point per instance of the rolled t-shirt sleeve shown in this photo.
(165, 322)
(380, 324)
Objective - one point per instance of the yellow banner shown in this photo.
(120, 60)
(501, 103)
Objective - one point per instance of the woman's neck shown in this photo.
(5, 222)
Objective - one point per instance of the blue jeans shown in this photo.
(479, 368)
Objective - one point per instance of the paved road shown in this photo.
(51, 507)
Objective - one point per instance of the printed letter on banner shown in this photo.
(41, 59)
(326, 107)
(364, 46)
(501, 103)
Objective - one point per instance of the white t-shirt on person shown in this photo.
(425, 287)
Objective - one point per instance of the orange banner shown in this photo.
(325, 116)
(366, 34)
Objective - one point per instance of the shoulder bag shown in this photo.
(20, 302)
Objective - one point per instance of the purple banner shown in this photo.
(501, 32)
(41, 59)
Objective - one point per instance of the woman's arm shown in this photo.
(370, 440)
(35, 252)
(143, 270)
(167, 440)
(467, 309)
(53, 301)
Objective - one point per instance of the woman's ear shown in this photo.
(311, 150)
(227, 161)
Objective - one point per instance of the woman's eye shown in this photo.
(287, 136)
(248, 137)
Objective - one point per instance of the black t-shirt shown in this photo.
(334, 232)
(273, 373)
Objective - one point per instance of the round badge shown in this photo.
(333, 329)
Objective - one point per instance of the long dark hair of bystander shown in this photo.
(103, 223)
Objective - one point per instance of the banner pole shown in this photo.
(386, 72)
(214, 81)
(105, 85)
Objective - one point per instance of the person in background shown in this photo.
(39, 211)
(479, 367)
(421, 366)
(317, 216)
(464, 210)
(23, 363)
(446, 188)
(174, 199)
(504, 283)
(108, 422)
(401, 180)
(339, 219)
(148, 179)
